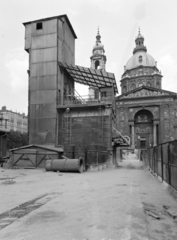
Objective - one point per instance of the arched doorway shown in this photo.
(143, 124)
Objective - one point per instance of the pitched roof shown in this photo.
(50, 18)
(146, 92)
(35, 146)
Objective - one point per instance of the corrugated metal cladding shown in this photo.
(90, 77)
(86, 127)
(43, 83)
(54, 41)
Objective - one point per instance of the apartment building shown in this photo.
(10, 120)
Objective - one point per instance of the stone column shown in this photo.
(155, 135)
(133, 136)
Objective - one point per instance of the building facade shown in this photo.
(3, 145)
(48, 41)
(58, 116)
(145, 112)
(13, 121)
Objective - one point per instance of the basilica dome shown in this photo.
(140, 58)
(141, 69)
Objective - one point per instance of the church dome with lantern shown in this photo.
(140, 69)
(140, 58)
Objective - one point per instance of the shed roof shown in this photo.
(90, 77)
(50, 18)
(44, 147)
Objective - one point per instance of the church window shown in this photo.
(148, 84)
(166, 113)
(143, 116)
(124, 89)
(140, 59)
(158, 85)
(97, 63)
(133, 86)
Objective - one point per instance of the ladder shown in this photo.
(100, 125)
(67, 127)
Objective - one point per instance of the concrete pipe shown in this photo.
(65, 165)
(48, 165)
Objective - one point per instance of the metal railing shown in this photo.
(162, 159)
(76, 98)
(86, 100)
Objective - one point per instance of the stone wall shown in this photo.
(164, 112)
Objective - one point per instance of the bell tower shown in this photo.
(98, 61)
(98, 58)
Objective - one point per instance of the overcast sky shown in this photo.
(118, 21)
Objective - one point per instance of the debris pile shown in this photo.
(152, 211)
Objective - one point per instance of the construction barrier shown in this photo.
(162, 160)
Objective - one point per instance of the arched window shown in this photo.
(143, 116)
(148, 84)
(133, 86)
(140, 85)
(158, 85)
(97, 63)
(140, 59)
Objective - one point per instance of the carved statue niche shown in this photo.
(158, 84)
(133, 86)
(124, 89)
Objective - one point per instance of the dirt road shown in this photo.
(113, 204)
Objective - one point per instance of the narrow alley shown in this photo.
(126, 203)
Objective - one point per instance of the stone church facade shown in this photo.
(145, 112)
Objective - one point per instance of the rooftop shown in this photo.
(50, 18)
(90, 77)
